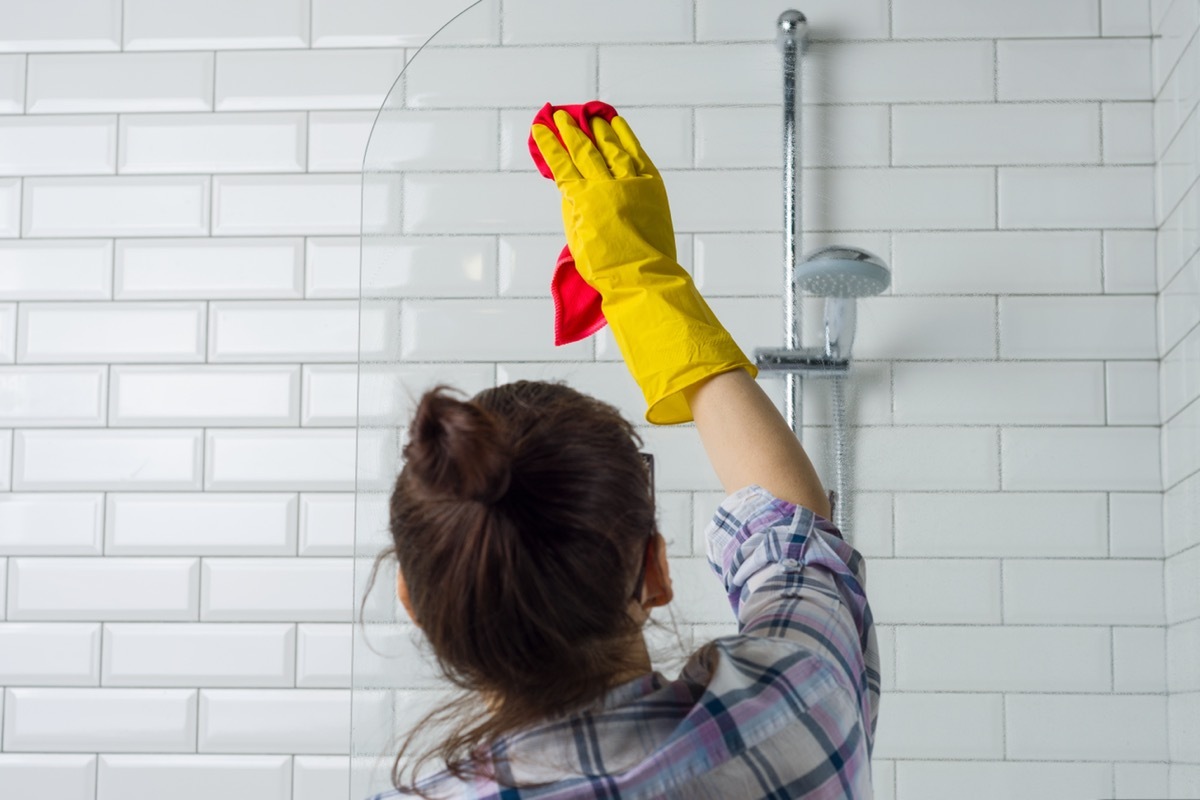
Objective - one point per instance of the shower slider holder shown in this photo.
(808, 361)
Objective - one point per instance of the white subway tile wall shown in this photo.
(180, 210)
(1175, 64)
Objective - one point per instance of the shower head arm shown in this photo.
(840, 317)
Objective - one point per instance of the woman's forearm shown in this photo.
(748, 441)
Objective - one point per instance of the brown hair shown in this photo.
(519, 521)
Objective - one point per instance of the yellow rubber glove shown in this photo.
(618, 226)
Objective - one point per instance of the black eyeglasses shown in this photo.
(648, 459)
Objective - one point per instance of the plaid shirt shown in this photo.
(784, 709)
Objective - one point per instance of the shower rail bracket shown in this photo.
(807, 361)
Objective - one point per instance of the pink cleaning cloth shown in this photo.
(577, 313)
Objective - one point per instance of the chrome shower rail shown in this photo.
(792, 38)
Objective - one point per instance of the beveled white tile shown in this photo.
(287, 460)
(903, 591)
(67, 776)
(1139, 659)
(324, 653)
(156, 143)
(1001, 780)
(1135, 524)
(1009, 133)
(934, 459)
(319, 777)
(302, 330)
(1076, 197)
(40, 524)
(10, 207)
(549, 22)
(337, 140)
(12, 83)
(996, 262)
(1069, 524)
(523, 77)
(327, 524)
(219, 25)
(190, 654)
(420, 266)
(408, 140)
(1125, 17)
(80, 145)
(942, 725)
(206, 524)
(922, 327)
(286, 204)
(1181, 445)
(1083, 593)
(332, 266)
(330, 395)
(180, 396)
(1077, 327)
(55, 654)
(892, 199)
(1073, 69)
(276, 589)
(144, 206)
(976, 659)
(71, 25)
(834, 136)
(938, 19)
(64, 460)
(1129, 262)
(1128, 133)
(480, 203)
(8, 332)
(1132, 393)
(1183, 586)
(998, 393)
(209, 269)
(6, 450)
(1074, 459)
(371, 23)
(68, 588)
(305, 79)
(1183, 651)
(105, 332)
(109, 720)
(467, 330)
(120, 82)
(1086, 727)
(194, 777)
(279, 721)
(1177, 306)
(52, 396)
(738, 263)
(1176, 29)
(56, 270)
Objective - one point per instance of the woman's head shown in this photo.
(520, 521)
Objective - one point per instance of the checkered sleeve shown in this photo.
(788, 573)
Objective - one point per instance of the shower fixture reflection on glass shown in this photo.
(840, 274)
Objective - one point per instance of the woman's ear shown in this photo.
(402, 593)
(657, 589)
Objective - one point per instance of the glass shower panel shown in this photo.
(460, 236)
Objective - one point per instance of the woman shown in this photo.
(523, 524)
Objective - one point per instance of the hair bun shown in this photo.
(456, 448)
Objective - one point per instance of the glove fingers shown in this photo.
(556, 156)
(620, 163)
(588, 160)
(631, 145)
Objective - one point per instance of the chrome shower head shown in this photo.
(840, 274)
(843, 272)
